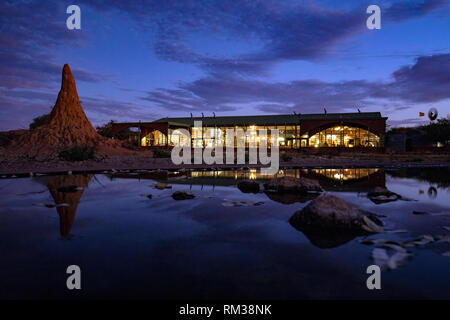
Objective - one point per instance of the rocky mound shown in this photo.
(330, 212)
(67, 127)
(6, 137)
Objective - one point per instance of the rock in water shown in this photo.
(248, 186)
(182, 195)
(380, 195)
(288, 184)
(67, 127)
(330, 212)
(162, 186)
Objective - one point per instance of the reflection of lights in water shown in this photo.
(254, 174)
(338, 176)
(345, 174)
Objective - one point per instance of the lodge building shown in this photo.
(296, 131)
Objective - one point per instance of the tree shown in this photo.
(106, 131)
(438, 131)
(39, 121)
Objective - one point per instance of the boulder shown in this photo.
(248, 186)
(182, 195)
(288, 184)
(162, 186)
(330, 212)
(382, 195)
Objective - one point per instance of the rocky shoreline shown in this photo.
(147, 162)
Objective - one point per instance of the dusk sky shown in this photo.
(144, 60)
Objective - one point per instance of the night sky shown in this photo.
(144, 60)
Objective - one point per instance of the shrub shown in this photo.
(157, 153)
(131, 145)
(286, 157)
(106, 131)
(78, 153)
(39, 121)
(414, 159)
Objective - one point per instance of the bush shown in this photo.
(414, 159)
(39, 121)
(77, 154)
(157, 153)
(286, 157)
(131, 146)
(106, 131)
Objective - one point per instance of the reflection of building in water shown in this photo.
(66, 213)
(339, 179)
(356, 179)
(345, 174)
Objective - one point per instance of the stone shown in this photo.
(248, 186)
(330, 212)
(382, 195)
(288, 184)
(162, 186)
(182, 195)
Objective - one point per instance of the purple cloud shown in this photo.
(427, 80)
(30, 35)
(400, 11)
(286, 30)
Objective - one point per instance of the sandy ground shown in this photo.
(146, 161)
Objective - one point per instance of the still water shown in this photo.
(222, 244)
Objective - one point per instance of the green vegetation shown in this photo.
(415, 159)
(438, 131)
(78, 153)
(434, 132)
(106, 131)
(39, 121)
(286, 157)
(157, 153)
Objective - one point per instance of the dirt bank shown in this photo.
(146, 161)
